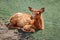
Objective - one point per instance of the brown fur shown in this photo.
(28, 28)
(20, 20)
(23, 21)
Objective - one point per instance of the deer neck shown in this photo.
(37, 21)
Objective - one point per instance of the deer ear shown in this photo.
(42, 10)
(30, 8)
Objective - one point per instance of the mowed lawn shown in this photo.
(51, 15)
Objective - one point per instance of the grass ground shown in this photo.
(51, 15)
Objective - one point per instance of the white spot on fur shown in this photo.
(19, 13)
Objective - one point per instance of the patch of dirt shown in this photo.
(13, 34)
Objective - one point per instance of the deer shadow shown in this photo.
(25, 35)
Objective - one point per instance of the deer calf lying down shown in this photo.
(28, 22)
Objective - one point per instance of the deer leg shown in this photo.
(27, 28)
(32, 30)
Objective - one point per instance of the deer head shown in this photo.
(36, 12)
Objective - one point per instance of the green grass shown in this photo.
(51, 15)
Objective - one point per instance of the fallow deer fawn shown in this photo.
(28, 22)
